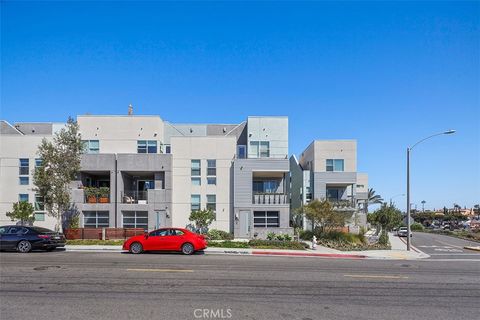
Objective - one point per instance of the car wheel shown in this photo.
(187, 248)
(24, 246)
(136, 248)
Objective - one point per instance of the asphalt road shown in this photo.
(67, 285)
(444, 247)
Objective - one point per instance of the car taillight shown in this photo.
(44, 236)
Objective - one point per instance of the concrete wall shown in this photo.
(271, 129)
(185, 149)
(119, 134)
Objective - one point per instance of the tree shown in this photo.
(60, 165)
(202, 219)
(372, 198)
(321, 213)
(387, 217)
(22, 211)
(296, 221)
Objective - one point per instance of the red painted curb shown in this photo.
(310, 254)
(405, 241)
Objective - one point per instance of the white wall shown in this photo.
(119, 134)
(272, 129)
(184, 149)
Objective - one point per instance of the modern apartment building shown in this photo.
(144, 172)
(327, 169)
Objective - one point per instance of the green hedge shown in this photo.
(416, 227)
(88, 242)
(260, 244)
(215, 234)
(228, 244)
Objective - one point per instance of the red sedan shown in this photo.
(166, 239)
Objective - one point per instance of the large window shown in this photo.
(333, 194)
(95, 219)
(91, 146)
(335, 164)
(265, 186)
(39, 208)
(135, 219)
(266, 219)
(212, 202)
(146, 146)
(23, 167)
(196, 168)
(260, 149)
(196, 203)
(23, 197)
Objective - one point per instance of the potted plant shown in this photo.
(91, 194)
(104, 193)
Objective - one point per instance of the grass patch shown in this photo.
(91, 242)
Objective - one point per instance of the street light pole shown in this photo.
(409, 232)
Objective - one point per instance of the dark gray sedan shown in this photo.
(25, 239)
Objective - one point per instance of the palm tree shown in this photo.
(372, 198)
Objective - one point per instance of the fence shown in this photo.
(102, 233)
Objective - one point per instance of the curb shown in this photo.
(308, 254)
(472, 248)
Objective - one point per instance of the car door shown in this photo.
(178, 238)
(10, 238)
(3, 231)
(157, 240)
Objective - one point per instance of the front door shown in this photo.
(244, 224)
(160, 219)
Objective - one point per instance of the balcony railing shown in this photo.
(269, 198)
(342, 204)
(135, 197)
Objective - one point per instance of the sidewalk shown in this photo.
(398, 251)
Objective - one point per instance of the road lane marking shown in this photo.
(374, 276)
(159, 270)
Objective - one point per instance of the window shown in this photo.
(241, 152)
(260, 149)
(91, 146)
(334, 164)
(212, 202)
(196, 181)
(333, 194)
(265, 186)
(135, 219)
(195, 206)
(211, 167)
(196, 168)
(146, 146)
(359, 186)
(23, 197)
(23, 181)
(266, 219)
(3, 230)
(211, 180)
(95, 219)
(23, 167)
(176, 232)
(160, 233)
(39, 216)
(38, 162)
(17, 230)
(168, 148)
(39, 203)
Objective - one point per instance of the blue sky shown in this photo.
(384, 73)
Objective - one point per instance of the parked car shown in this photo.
(402, 232)
(25, 239)
(166, 239)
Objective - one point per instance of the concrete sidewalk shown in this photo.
(398, 252)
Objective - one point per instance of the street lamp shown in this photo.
(397, 195)
(408, 180)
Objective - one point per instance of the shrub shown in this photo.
(279, 237)
(306, 235)
(287, 237)
(416, 227)
(271, 236)
(229, 244)
(214, 234)
(383, 239)
(277, 244)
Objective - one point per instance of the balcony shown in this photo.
(134, 197)
(270, 198)
(342, 204)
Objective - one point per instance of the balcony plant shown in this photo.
(91, 194)
(104, 193)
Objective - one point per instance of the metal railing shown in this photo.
(342, 204)
(269, 198)
(135, 197)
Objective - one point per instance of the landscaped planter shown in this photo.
(103, 200)
(92, 199)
